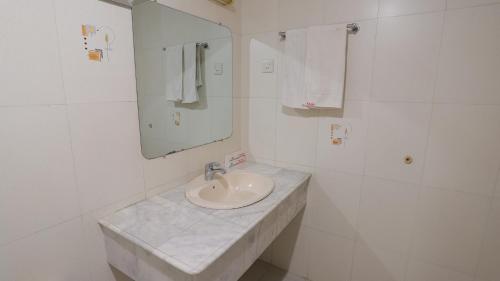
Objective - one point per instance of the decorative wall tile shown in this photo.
(349, 124)
(90, 81)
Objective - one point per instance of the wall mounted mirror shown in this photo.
(184, 74)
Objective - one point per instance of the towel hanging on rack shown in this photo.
(314, 65)
(325, 66)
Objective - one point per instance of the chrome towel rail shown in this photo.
(351, 28)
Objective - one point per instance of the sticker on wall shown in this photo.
(339, 133)
(97, 42)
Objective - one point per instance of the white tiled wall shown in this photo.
(69, 136)
(422, 81)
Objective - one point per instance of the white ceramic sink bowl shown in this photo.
(236, 189)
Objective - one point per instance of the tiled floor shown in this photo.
(262, 271)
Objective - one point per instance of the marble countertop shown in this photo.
(189, 237)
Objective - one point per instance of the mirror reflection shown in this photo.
(184, 79)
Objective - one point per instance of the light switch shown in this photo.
(267, 66)
(218, 68)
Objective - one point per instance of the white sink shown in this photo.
(230, 191)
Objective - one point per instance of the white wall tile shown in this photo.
(107, 152)
(371, 264)
(262, 47)
(468, 67)
(169, 168)
(333, 202)
(262, 128)
(291, 13)
(387, 214)
(449, 227)
(420, 271)
(404, 7)
(38, 187)
(360, 55)
(54, 254)
(407, 50)
(464, 152)
(290, 248)
(454, 4)
(350, 155)
(330, 257)
(87, 81)
(30, 72)
(396, 130)
(259, 16)
(229, 16)
(339, 11)
(488, 269)
(296, 134)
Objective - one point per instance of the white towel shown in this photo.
(325, 66)
(199, 59)
(190, 94)
(292, 75)
(173, 72)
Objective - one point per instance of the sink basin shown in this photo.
(233, 190)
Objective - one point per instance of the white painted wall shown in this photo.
(69, 136)
(422, 80)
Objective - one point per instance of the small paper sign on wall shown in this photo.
(97, 42)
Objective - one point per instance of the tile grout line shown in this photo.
(416, 214)
(40, 230)
(68, 122)
(357, 238)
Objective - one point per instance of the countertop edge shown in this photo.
(184, 268)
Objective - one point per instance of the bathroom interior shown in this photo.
(250, 140)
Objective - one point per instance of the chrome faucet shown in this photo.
(211, 169)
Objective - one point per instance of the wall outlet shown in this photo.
(267, 66)
(218, 68)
